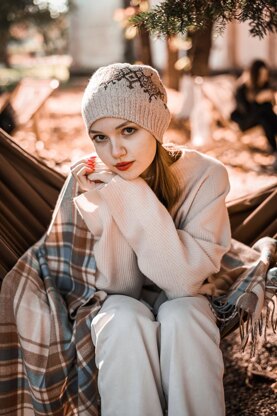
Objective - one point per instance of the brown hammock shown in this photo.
(29, 190)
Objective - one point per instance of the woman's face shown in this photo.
(126, 148)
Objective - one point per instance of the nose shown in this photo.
(118, 149)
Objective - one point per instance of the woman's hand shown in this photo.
(91, 173)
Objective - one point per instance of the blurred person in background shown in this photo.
(254, 100)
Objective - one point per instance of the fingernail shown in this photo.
(90, 166)
(90, 163)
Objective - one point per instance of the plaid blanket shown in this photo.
(46, 307)
(243, 293)
(47, 303)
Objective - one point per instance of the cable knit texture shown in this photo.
(136, 237)
(131, 92)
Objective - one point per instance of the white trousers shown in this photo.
(148, 366)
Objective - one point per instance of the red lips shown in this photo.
(123, 165)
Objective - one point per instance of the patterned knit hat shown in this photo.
(131, 92)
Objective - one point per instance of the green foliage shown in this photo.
(171, 17)
(13, 11)
(41, 13)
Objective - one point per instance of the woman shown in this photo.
(254, 103)
(159, 220)
(117, 281)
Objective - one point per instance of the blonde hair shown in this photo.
(160, 178)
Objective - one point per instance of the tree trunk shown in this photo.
(200, 50)
(4, 57)
(142, 44)
(172, 75)
(129, 54)
(145, 47)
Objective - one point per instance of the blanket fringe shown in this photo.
(250, 331)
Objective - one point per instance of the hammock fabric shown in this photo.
(29, 191)
(47, 301)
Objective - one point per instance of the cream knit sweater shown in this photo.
(136, 237)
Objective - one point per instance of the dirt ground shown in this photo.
(250, 384)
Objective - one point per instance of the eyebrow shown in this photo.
(117, 127)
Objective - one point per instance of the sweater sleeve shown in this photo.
(176, 260)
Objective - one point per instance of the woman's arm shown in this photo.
(177, 260)
(265, 96)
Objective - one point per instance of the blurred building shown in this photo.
(236, 48)
(96, 39)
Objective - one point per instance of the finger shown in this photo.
(81, 176)
(90, 164)
(83, 160)
(104, 176)
(94, 177)
(77, 168)
(78, 162)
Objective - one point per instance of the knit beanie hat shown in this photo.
(131, 92)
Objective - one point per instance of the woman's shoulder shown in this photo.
(197, 171)
(195, 168)
(194, 162)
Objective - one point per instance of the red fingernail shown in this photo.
(90, 163)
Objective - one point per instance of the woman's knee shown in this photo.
(118, 315)
(188, 314)
(126, 308)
